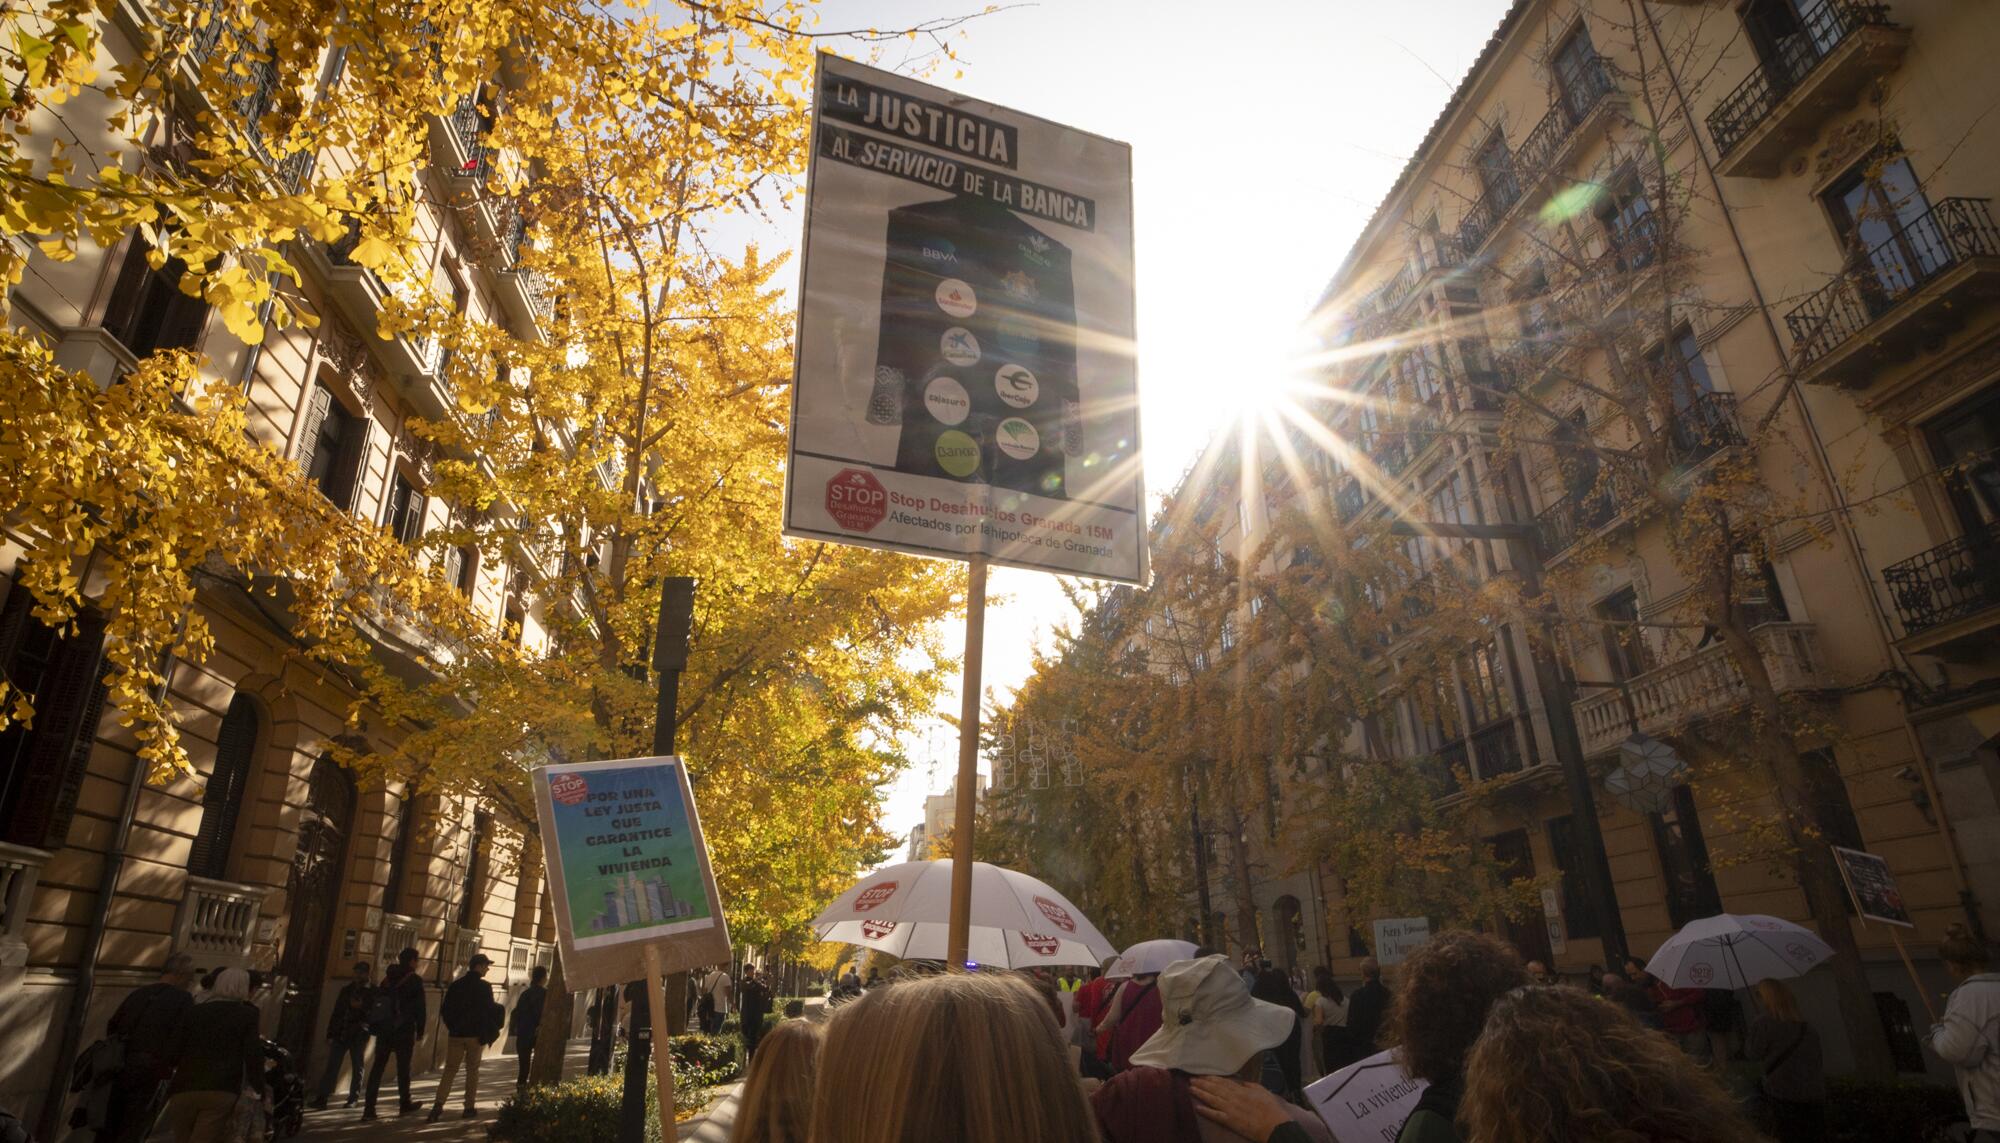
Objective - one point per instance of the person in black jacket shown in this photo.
(526, 1022)
(395, 1014)
(216, 1053)
(753, 1003)
(347, 1036)
(472, 1020)
(1366, 1008)
(145, 1023)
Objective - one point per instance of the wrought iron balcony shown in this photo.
(1952, 582)
(1701, 685)
(1916, 272)
(1841, 45)
(1564, 523)
(468, 126)
(1497, 751)
(1484, 218)
(1348, 502)
(1542, 149)
(1704, 426)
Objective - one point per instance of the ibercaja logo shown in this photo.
(874, 895)
(568, 789)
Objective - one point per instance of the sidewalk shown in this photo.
(339, 1124)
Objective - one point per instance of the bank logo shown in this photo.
(1020, 286)
(1016, 386)
(955, 297)
(959, 346)
(1036, 250)
(1018, 438)
(940, 251)
(946, 400)
(957, 453)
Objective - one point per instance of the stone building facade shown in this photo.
(276, 860)
(1837, 257)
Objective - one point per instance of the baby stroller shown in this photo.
(287, 1092)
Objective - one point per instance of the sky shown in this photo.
(1263, 135)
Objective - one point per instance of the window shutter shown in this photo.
(413, 519)
(222, 801)
(343, 479)
(121, 312)
(180, 326)
(66, 717)
(14, 616)
(322, 403)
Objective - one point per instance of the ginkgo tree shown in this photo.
(638, 436)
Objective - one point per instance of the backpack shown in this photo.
(382, 1013)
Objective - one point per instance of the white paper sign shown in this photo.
(1366, 1102)
(965, 380)
(1396, 936)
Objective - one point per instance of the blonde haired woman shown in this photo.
(776, 1105)
(971, 1058)
(1792, 1082)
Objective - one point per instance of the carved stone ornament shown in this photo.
(340, 348)
(1850, 140)
(1961, 376)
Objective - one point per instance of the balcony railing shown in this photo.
(1484, 218)
(398, 933)
(218, 921)
(1950, 582)
(20, 870)
(1562, 524)
(1951, 233)
(1704, 426)
(1497, 751)
(468, 125)
(1543, 146)
(1348, 502)
(1824, 27)
(1701, 685)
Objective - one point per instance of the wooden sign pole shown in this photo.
(958, 935)
(1923, 993)
(663, 1046)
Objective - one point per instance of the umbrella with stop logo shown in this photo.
(904, 910)
(1731, 951)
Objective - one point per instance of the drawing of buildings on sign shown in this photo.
(637, 902)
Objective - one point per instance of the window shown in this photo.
(1625, 647)
(1690, 883)
(1872, 209)
(1578, 74)
(1629, 226)
(1758, 598)
(1228, 633)
(472, 893)
(1485, 685)
(400, 851)
(1579, 916)
(1965, 442)
(42, 766)
(1256, 605)
(405, 519)
(1689, 378)
(147, 311)
(1516, 860)
(1533, 296)
(1494, 165)
(332, 446)
(461, 566)
(228, 782)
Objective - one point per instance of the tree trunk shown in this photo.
(1812, 862)
(552, 1037)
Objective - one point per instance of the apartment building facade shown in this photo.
(276, 859)
(1784, 203)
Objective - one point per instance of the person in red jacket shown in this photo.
(1134, 1017)
(1093, 1000)
(1683, 1014)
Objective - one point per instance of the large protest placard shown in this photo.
(1396, 937)
(965, 381)
(1873, 886)
(627, 868)
(1366, 1102)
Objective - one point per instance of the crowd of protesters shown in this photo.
(1196, 1053)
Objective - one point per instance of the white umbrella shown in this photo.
(1017, 922)
(1150, 956)
(1731, 951)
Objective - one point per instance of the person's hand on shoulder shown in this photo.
(1245, 1108)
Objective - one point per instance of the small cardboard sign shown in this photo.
(1396, 937)
(1366, 1102)
(1873, 887)
(627, 869)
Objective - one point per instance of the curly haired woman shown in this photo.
(1447, 985)
(1556, 1065)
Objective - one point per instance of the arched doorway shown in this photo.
(312, 892)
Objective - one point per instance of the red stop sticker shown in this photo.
(856, 500)
(569, 789)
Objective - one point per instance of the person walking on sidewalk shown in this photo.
(754, 1005)
(346, 1037)
(395, 1013)
(472, 1020)
(720, 990)
(217, 1054)
(145, 1023)
(527, 1020)
(1968, 1037)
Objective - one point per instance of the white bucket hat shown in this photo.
(1209, 1023)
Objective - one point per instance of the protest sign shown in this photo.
(965, 383)
(628, 870)
(1395, 937)
(1366, 1102)
(1873, 886)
